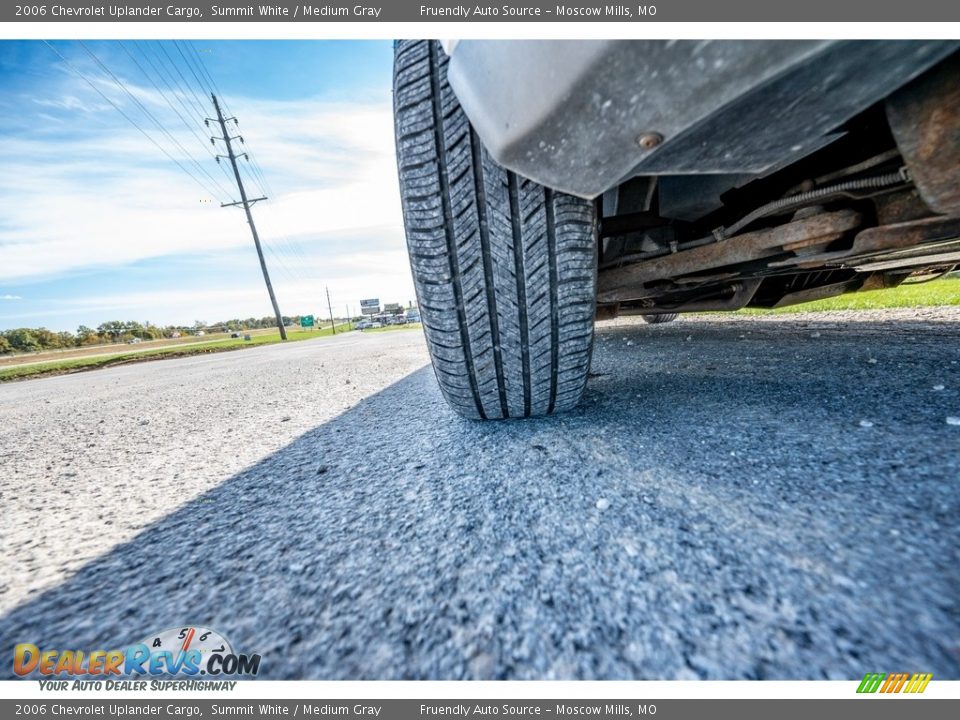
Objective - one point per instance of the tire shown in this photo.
(664, 318)
(504, 269)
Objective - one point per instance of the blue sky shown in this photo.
(97, 223)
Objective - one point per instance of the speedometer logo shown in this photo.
(190, 650)
(192, 639)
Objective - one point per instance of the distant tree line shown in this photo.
(120, 331)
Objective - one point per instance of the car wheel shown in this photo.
(663, 318)
(504, 268)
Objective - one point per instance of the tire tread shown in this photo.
(519, 256)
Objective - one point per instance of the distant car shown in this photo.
(200, 333)
(413, 317)
(134, 341)
(399, 320)
(236, 334)
(362, 325)
(376, 324)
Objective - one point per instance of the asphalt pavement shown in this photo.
(773, 497)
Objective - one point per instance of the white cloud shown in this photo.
(10, 297)
(106, 197)
(71, 102)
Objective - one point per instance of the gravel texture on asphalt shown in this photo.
(736, 497)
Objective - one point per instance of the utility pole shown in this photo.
(246, 204)
(333, 328)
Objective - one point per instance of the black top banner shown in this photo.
(517, 11)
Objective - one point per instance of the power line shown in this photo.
(255, 168)
(166, 99)
(283, 267)
(182, 93)
(252, 169)
(186, 83)
(297, 258)
(206, 73)
(153, 118)
(291, 274)
(193, 72)
(129, 119)
(257, 171)
(286, 247)
(176, 88)
(178, 94)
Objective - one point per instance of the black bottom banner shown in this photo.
(874, 708)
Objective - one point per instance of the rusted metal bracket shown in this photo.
(926, 236)
(627, 283)
(736, 296)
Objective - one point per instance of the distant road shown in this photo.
(123, 349)
(771, 497)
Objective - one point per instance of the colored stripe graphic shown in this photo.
(870, 682)
(894, 682)
(918, 683)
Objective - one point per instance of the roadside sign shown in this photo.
(306, 321)
(370, 302)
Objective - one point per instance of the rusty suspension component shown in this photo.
(925, 120)
(627, 283)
